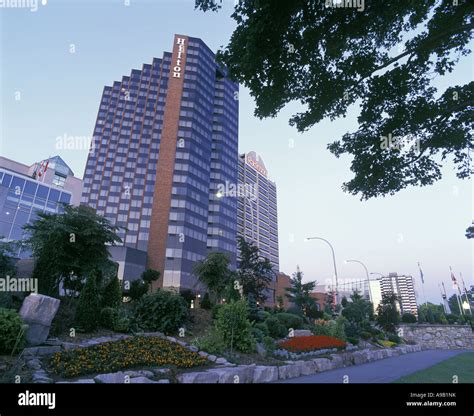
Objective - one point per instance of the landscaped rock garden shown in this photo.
(144, 358)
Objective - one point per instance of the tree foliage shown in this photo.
(254, 272)
(88, 308)
(69, 246)
(214, 273)
(388, 316)
(383, 59)
(299, 293)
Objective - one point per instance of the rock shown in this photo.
(70, 346)
(221, 360)
(139, 373)
(203, 354)
(142, 380)
(193, 348)
(171, 339)
(42, 351)
(241, 374)
(265, 374)
(337, 360)
(163, 381)
(34, 364)
(288, 371)
(199, 377)
(359, 357)
(115, 378)
(307, 367)
(322, 364)
(38, 311)
(302, 333)
(211, 357)
(80, 381)
(161, 371)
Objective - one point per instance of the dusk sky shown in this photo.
(60, 92)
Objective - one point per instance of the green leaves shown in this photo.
(383, 58)
(69, 246)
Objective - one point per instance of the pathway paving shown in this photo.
(381, 371)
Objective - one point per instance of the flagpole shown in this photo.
(453, 278)
(422, 283)
(442, 297)
(448, 308)
(465, 293)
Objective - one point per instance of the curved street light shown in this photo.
(366, 273)
(333, 260)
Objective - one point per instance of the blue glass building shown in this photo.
(166, 137)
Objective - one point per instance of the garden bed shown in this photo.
(139, 351)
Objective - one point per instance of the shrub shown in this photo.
(211, 342)
(262, 316)
(366, 335)
(234, 326)
(258, 334)
(353, 341)
(138, 289)
(262, 327)
(320, 330)
(215, 310)
(338, 330)
(387, 344)
(125, 353)
(112, 295)
(12, 331)
(311, 343)
(275, 328)
(269, 345)
(162, 310)
(65, 316)
(108, 317)
(206, 302)
(87, 313)
(394, 338)
(123, 322)
(408, 318)
(149, 276)
(290, 320)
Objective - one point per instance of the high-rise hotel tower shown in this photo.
(165, 138)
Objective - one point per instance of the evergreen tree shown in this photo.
(299, 293)
(388, 316)
(88, 309)
(112, 294)
(254, 272)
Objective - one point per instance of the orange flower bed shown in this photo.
(311, 343)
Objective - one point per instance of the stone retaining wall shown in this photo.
(268, 374)
(439, 336)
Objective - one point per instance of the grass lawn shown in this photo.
(461, 365)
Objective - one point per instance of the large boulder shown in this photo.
(38, 312)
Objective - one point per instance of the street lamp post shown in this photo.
(366, 273)
(333, 260)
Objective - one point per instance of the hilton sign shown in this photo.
(251, 160)
(179, 57)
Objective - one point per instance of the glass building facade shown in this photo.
(21, 198)
(257, 207)
(165, 138)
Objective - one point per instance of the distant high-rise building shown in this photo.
(403, 286)
(257, 219)
(165, 138)
(26, 190)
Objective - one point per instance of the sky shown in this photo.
(55, 61)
